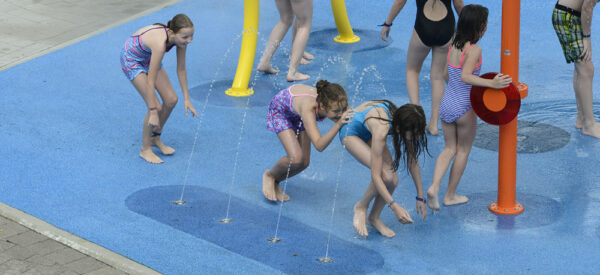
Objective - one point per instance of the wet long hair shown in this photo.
(472, 22)
(178, 22)
(329, 93)
(408, 118)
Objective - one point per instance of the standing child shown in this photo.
(433, 31)
(141, 58)
(293, 115)
(459, 121)
(300, 13)
(365, 138)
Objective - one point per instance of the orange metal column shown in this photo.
(507, 149)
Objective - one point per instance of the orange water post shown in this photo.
(507, 147)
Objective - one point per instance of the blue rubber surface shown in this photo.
(70, 124)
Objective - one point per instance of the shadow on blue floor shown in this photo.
(247, 235)
(539, 211)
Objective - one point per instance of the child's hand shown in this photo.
(501, 81)
(401, 214)
(188, 105)
(421, 209)
(153, 120)
(346, 116)
(385, 33)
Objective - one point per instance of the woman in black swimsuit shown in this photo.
(433, 31)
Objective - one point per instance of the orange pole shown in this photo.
(507, 149)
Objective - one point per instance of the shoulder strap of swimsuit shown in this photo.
(151, 29)
(293, 95)
(463, 54)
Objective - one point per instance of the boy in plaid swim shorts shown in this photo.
(572, 22)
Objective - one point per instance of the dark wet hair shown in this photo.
(472, 21)
(178, 22)
(329, 93)
(409, 118)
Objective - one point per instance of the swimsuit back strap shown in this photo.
(151, 29)
(463, 55)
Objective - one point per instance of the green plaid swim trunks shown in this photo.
(567, 24)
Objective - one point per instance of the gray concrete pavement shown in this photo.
(31, 28)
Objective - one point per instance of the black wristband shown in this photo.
(385, 24)
(587, 36)
(421, 199)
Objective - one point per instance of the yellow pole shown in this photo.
(342, 23)
(244, 70)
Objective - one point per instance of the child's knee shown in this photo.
(170, 101)
(390, 179)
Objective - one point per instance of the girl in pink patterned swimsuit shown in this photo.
(141, 58)
(293, 115)
(459, 122)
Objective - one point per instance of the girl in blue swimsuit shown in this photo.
(365, 139)
(433, 30)
(141, 58)
(459, 122)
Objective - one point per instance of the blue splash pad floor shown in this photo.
(70, 125)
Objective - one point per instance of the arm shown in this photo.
(379, 130)
(587, 9)
(151, 99)
(458, 5)
(378, 143)
(415, 172)
(182, 76)
(394, 11)
(312, 130)
(470, 61)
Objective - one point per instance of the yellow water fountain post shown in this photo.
(250, 36)
(342, 23)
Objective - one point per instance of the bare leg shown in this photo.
(582, 82)
(140, 84)
(305, 56)
(303, 10)
(439, 62)
(417, 52)
(361, 151)
(294, 161)
(286, 17)
(466, 128)
(442, 163)
(390, 179)
(169, 99)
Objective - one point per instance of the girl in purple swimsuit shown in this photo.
(141, 58)
(459, 122)
(293, 115)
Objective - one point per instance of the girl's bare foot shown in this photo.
(303, 61)
(432, 129)
(266, 68)
(149, 156)
(164, 149)
(297, 76)
(308, 56)
(593, 131)
(279, 193)
(360, 215)
(432, 199)
(456, 199)
(579, 121)
(382, 228)
(269, 186)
